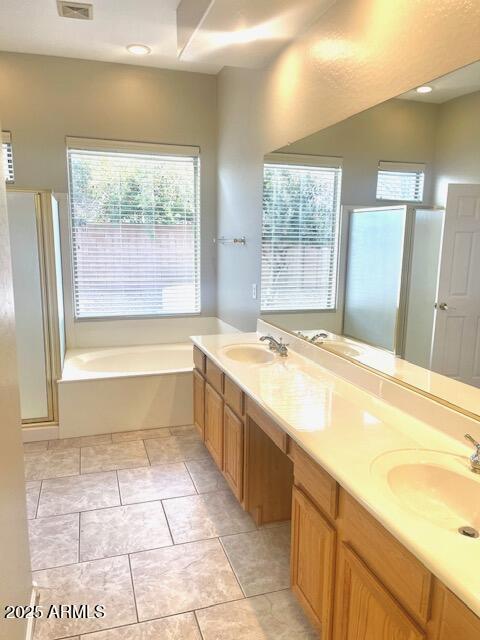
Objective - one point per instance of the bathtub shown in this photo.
(125, 388)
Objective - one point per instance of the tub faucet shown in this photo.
(475, 457)
(276, 345)
(317, 336)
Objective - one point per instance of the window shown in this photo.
(300, 232)
(7, 156)
(400, 181)
(135, 228)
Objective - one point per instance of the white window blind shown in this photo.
(135, 229)
(401, 181)
(7, 157)
(301, 204)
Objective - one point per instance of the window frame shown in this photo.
(148, 148)
(310, 160)
(398, 167)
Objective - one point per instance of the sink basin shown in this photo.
(342, 347)
(436, 486)
(248, 353)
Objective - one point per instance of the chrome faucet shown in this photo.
(475, 457)
(322, 335)
(276, 345)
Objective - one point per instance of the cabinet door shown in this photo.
(199, 402)
(453, 619)
(364, 609)
(214, 424)
(312, 561)
(233, 429)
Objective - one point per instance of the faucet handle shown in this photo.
(473, 441)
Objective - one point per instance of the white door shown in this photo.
(456, 344)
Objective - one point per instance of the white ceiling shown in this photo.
(231, 32)
(453, 85)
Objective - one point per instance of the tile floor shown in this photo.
(144, 524)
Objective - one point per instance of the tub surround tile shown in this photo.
(175, 449)
(53, 541)
(80, 441)
(106, 582)
(182, 578)
(181, 627)
(275, 616)
(120, 455)
(141, 434)
(33, 447)
(206, 476)
(206, 516)
(260, 559)
(78, 493)
(122, 530)
(51, 464)
(33, 493)
(154, 483)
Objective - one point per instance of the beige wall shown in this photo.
(15, 579)
(44, 99)
(360, 53)
(458, 144)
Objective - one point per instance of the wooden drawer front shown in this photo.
(199, 359)
(199, 402)
(234, 397)
(312, 561)
(396, 567)
(364, 610)
(214, 424)
(273, 431)
(455, 620)
(320, 486)
(215, 376)
(233, 438)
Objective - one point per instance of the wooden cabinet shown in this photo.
(312, 561)
(215, 376)
(452, 619)
(199, 360)
(214, 424)
(234, 397)
(199, 402)
(233, 439)
(364, 609)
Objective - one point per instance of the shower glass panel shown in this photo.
(374, 275)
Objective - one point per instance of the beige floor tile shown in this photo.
(51, 464)
(206, 516)
(181, 627)
(154, 483)
(33, 493)
(80, 441)
(184, 430)
(121, 530)
(101, 582)
(141, 434)
(121, 455)
(78, 493)
(53, 541)
(206, 476)
(33, 447)
(175, 449)
(182, 578)
(260, 559)
(274, 616)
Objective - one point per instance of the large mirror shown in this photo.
(371, 237)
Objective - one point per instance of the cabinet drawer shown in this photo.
(394, 565)
(215, 376)
(234, 397)
(317, 483)
(266, 424)
(199, 359)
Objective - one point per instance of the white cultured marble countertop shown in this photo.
(346, 430)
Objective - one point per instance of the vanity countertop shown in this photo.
(351, 434)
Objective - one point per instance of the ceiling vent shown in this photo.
(76, 10)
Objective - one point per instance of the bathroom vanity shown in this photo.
(295, 441)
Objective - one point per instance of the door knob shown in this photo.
(443, 306)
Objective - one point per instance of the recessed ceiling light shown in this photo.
(424, 89)
(139, 49)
